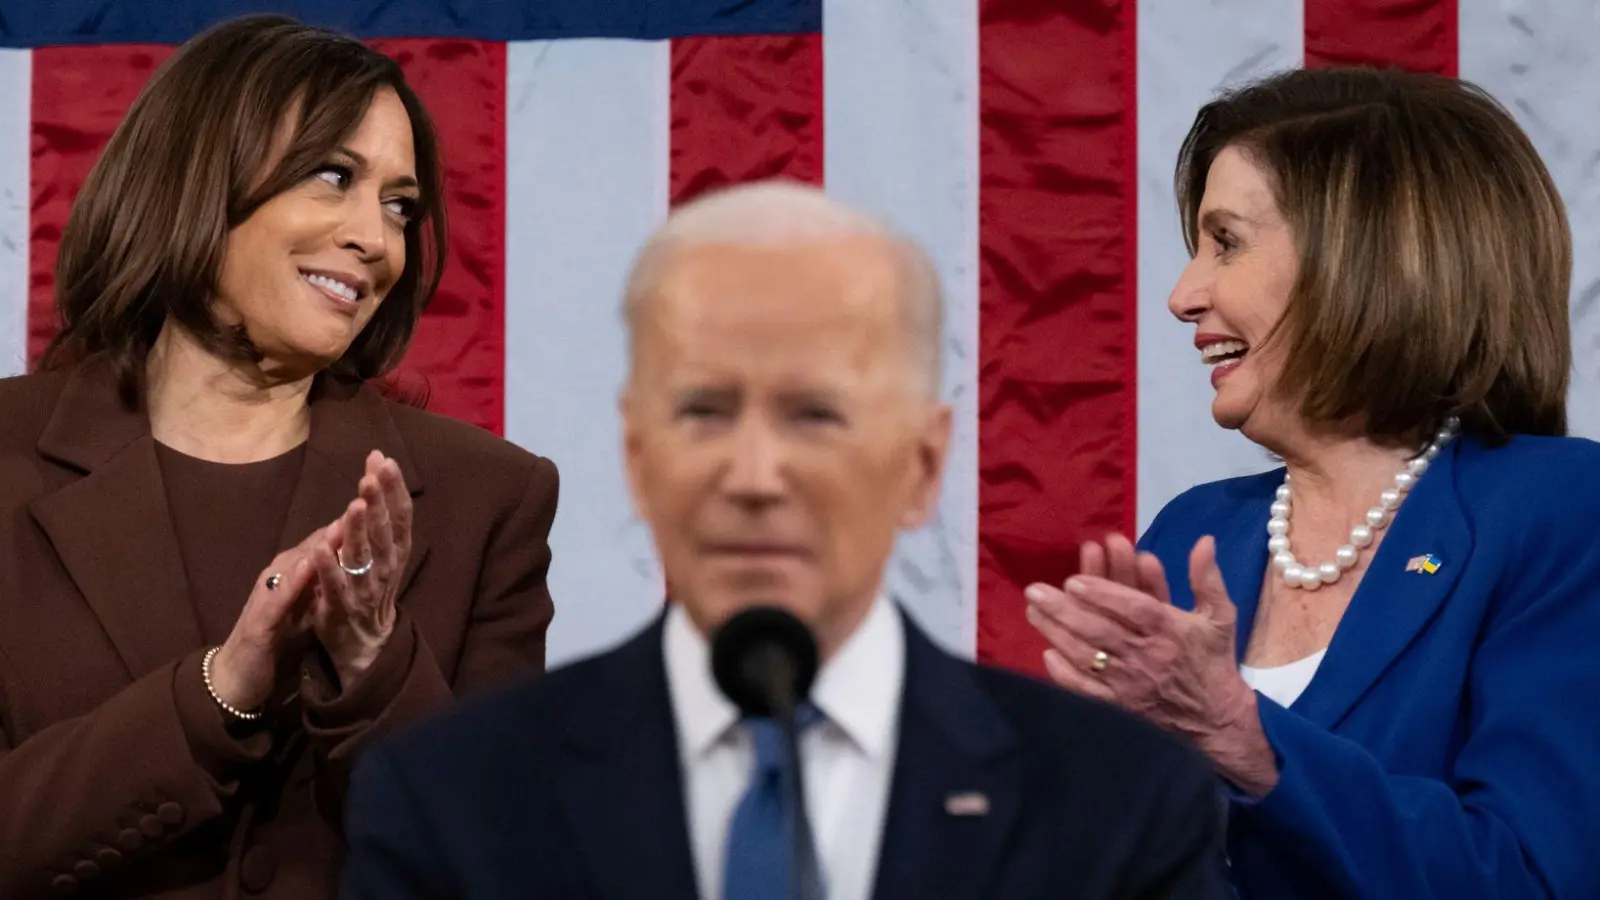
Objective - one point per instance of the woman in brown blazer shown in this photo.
(225, 562)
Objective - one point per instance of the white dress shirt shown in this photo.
(848, 758)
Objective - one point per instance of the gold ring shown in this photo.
(1101, 658)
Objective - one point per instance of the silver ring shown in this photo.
(356, 572)
(273, 581)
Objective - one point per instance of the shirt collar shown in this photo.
(858, 689)
(702, 713)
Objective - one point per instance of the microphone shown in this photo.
(764, 659)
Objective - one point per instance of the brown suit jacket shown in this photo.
(118, 775)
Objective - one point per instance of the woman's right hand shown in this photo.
(245, 670)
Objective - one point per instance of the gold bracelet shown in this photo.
(205, 672)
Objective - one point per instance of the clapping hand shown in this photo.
(357, 568)
(245, 668)
(1115, 635)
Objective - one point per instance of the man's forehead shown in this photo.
(758, 311)
(802, 371)
(851, 268)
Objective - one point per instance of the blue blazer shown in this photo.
(1449, 745)
(570, 788)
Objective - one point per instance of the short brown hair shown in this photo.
(1435, 255)
(148, 231)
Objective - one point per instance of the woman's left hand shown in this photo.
(1175, 668)
(353, 615)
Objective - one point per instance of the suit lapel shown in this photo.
(111, 527)
(1393, 605)
(1242, 571)
(114, 535)
(1239, 525)
(347, 423)
(621, 788)
(956, 785)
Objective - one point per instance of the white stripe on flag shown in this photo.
(901, 137)
(1187, 51)
(1538, 60)
(587, 143)
(16, 115)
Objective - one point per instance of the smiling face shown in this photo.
(307, 271)
(1237, 287)
(778, 428)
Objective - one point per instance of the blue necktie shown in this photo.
(761, 850)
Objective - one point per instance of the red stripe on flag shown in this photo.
(1057, 368)
(459, 350)
(1420, 35)
(80, 95)
(743, 109)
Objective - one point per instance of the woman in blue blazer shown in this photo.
(1387, 646)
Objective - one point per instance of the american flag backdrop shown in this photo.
(1027, 144)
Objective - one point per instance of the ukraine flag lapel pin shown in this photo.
(1427, 563)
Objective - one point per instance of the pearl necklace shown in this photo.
(1310, 578)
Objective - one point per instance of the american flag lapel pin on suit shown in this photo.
(966, 803)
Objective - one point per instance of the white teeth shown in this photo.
(338, 287)
(1215, 353)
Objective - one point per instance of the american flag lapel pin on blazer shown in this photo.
(966, 803)
(1427, 563)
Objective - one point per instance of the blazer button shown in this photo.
(150, 826)
(170, 814)
(257, 868)
(64, 884)
(108, 857)
(86, 870)
(130, 840)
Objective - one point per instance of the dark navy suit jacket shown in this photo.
(1449, 745)
(570, 788)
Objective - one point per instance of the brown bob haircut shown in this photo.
(197, 154)
(1435, 257)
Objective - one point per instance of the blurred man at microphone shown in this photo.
(782, 423)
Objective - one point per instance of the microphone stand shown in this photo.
(765, 659)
